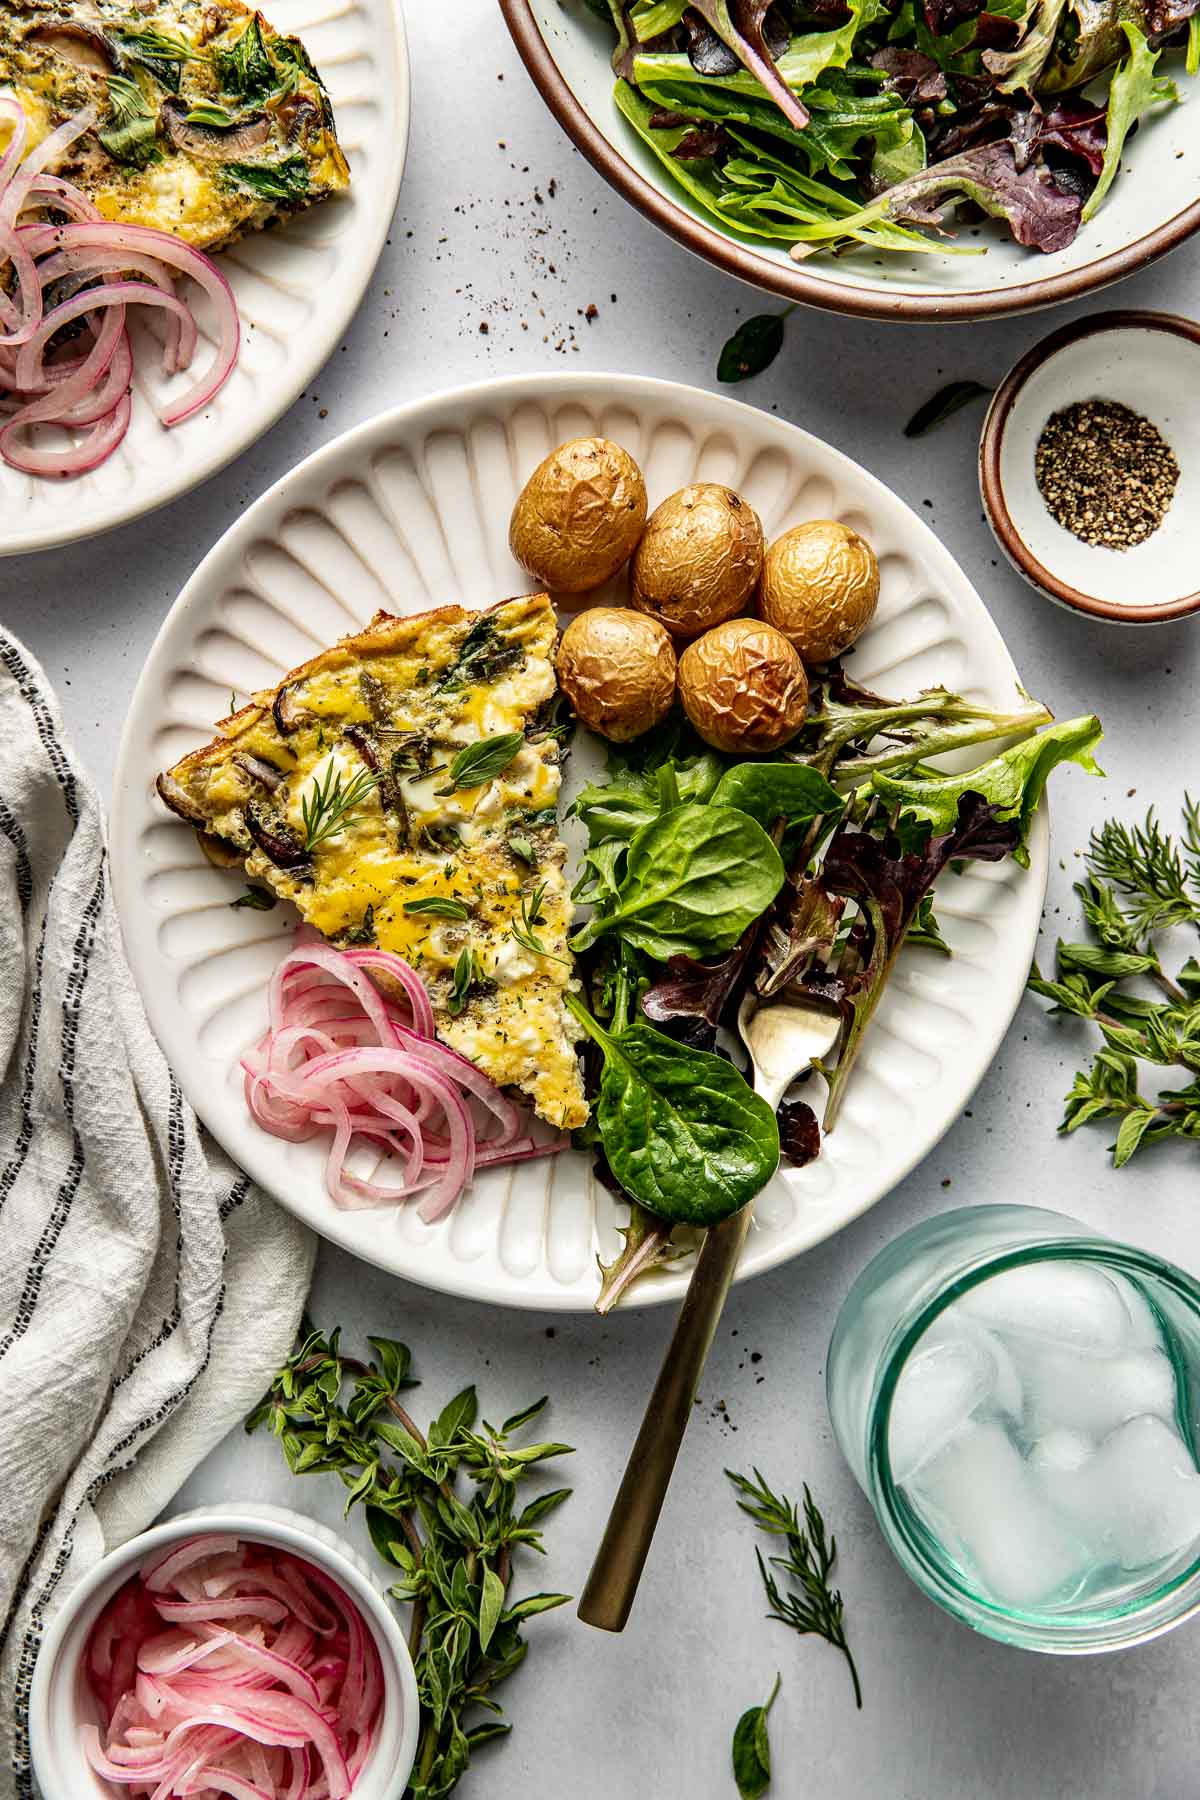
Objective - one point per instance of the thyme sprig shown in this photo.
(329, 803)
(1140, 881)
(452, 1549)
(811, 1553)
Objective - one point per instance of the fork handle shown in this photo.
(613, 1582)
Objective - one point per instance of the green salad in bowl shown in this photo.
(911, 158)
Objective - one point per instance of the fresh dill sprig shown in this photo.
(812, 1605)
(524, 930)
(1140, 881)
(330, 803)
(1145, 864)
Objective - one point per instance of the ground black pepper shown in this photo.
(1106, 474)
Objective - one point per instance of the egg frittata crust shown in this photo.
(209, 123)
(438, 873)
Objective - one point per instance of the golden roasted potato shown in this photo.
(579, 515)
(743, 687)
(698, 560)
(819, 586)
(617, 668)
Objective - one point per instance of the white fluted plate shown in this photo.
(408, 512)
(297, 287)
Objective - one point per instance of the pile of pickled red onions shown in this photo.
(226, 1668)
(84, 275)
(346, 1057)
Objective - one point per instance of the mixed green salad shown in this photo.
(712, 878)
(826, 123)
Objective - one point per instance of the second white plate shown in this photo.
(297, 287)
(410, 511)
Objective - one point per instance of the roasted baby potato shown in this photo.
(617, 669)
(579, 515)
(819, 586)
(743, 687)
(699, 558)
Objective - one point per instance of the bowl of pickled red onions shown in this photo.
(241, 1654)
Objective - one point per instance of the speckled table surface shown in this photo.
(503, 244)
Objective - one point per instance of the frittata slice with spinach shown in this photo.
(209, 123)
(401, 789)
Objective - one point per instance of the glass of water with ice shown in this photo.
(1018, 1399)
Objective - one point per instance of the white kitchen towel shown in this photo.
(147, 1290)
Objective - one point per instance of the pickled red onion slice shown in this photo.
(351, 1050)
(279, 1700)
(89, 393)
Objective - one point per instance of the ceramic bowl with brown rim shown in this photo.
(1150, 363)
(1152, 208)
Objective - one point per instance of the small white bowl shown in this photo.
(60, 1701)
(1151, 363)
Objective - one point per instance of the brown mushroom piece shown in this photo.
(276, 839)
(579, 515)
(743, 687)
(287, 712)
(617, 669)
(172, 793)
(820, 587)
(219, 851)
(212, 143)
(257, 769)
(77, 44)
(698, 560)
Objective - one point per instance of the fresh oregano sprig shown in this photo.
(1140, 881)
(811, 1605)
(442, 1511)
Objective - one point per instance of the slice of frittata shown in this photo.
(209, 123)
(401, 789)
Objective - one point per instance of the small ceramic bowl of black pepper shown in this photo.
(1089, 467)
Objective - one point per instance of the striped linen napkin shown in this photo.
(147, 1290)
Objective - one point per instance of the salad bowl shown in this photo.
(1151, 209)
(410, 511)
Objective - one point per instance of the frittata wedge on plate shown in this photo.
(209, 123)
(401, 789)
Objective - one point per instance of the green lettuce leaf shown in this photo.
(1133, 91)
(1013, 782)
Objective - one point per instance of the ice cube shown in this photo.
(942, 1383)
(1145, 1332)
(1138, 1498)
(1093, 1394)
(1061, 1450)
(1007, 1390)
(1058, 1302)
(980, 1497)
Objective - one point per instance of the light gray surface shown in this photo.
(948, 1716)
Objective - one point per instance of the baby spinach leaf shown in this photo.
(943, 405)
(694, 878)
(770, 791)
(131, 136)
(684, 1134)
(285, 181)
(244, 67)
(482, 762)
(258, 899)
(752, 1750)
(752, 348)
